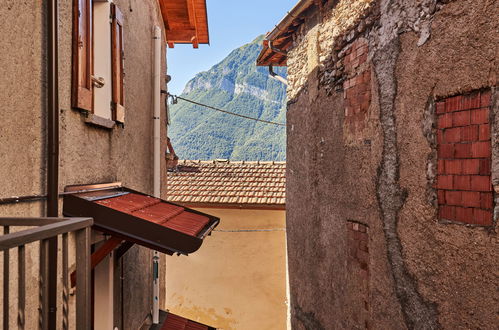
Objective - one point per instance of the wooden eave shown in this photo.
(186, 22)
(269, 56)
(279, 41)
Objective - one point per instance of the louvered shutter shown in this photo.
(118, 58)
(82, 55)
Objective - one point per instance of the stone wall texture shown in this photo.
(88, 154)
(364, 137)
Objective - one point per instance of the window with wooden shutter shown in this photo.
(118, 57)
(82, 55)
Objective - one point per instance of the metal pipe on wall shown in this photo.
(276, 76)
(157, 112)
(157, 160)
(52, 152)
(34, 198)
(21, 199)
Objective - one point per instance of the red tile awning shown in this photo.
(175, 322)
(142, 219)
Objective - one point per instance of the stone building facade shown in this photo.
(392, 162)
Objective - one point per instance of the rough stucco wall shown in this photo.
(329, 183)
(22, 142)
(22, 97)
(460, 56)
(87, 154)
(236, 280)
(422, 274)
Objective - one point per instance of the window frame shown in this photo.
(118, 65)
(83, 55)
(82, 66)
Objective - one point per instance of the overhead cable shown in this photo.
(175, 97)
(249, 230)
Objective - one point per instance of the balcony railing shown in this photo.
(46, 229)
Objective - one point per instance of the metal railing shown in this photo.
(46, 229)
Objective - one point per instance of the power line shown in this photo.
(224, 111)
(248, 230)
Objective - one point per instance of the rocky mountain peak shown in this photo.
(235, 84)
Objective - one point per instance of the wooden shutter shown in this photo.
(118, 58)
(82, 55)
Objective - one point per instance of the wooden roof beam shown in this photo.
(186, 21)
(195, 43)
(192, 14)
(180, 36)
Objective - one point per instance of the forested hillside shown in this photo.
(235, 84)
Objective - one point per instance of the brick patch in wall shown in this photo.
(357, 85)
(358, 271)
(464, 186)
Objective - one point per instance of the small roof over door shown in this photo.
(139, 218)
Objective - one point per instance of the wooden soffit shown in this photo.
(274, 52)
(186, 22)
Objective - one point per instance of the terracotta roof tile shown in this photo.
(175, 322)
(228, 182)
(154, 210)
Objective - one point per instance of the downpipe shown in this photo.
(276, 76)
(157, 161)
(52, 156)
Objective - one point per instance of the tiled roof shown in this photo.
(154, 210)
(175, 322)
(141, 219)
(227, 182)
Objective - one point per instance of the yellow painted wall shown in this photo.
(237, 279)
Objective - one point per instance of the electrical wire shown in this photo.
(248, 230)
(175, 97)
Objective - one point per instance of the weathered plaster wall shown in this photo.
(21, 99)
(422, 274)
(87, 154)
(237, 279)
(21, 130)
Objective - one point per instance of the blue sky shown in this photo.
(232, 23)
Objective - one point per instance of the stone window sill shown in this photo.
(100, 121)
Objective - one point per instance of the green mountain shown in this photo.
(237, 85)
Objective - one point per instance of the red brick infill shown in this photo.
(464, 186)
